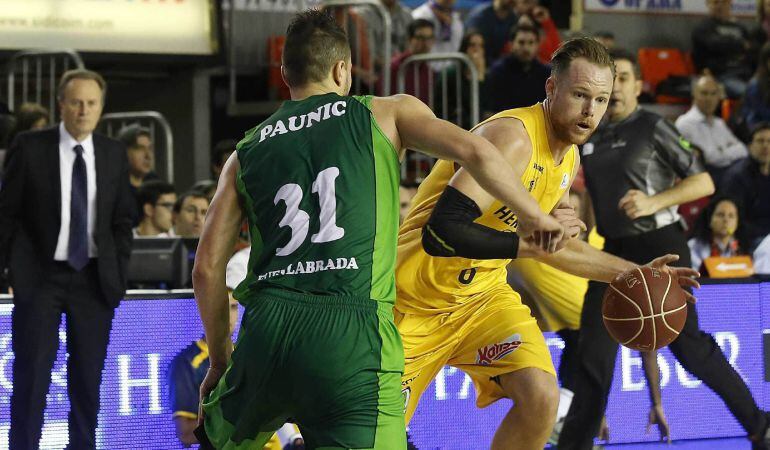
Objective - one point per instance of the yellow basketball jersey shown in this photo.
(444, 284)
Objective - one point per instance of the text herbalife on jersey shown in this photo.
(313, 267)
(296, 123)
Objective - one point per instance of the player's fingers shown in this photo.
(685, 272)
(689, 298)
(688, 282)
(664, 260)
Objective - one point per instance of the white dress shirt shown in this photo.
(720, 146)
(67, 156)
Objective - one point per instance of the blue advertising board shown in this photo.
(148, 333)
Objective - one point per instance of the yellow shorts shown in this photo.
(491, 335)
(556, 295)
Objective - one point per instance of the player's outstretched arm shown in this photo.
(416, 127)
(215, 247)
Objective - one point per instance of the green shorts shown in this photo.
(331, 365)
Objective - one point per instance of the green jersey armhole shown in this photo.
(366, 100)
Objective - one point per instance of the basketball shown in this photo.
(644, 309)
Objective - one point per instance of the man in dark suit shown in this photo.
(66, 212)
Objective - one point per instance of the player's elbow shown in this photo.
(202, 271)
(435, 242)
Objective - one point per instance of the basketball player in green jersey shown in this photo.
(318, 182)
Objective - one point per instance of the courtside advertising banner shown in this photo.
(180, 27)
(148, 333)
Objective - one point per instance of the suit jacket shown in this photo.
(30, 212)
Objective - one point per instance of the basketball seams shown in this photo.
(652, 311)
(663, 312)
(641, 314)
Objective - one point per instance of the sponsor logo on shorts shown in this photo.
(486, 355)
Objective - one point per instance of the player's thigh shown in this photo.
(428, 342)
(352, 368)
(499, 338)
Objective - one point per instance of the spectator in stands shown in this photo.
(494, 21)
(189, 213)
(459, 112)
(222, 150)
(718, 232)
(447, 25)
(606, 38)
(531, 13)
(156, 200)
(762, 257)
(755, 108)
(188, 368)
(720, 44)
(206, 187)
(418, 75)
(518, 79)
(66, 212)
(141, 154)
(400, 18)
(29, 116)
(748, 181)
(702, 127)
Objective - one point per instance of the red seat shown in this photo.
(658, 64)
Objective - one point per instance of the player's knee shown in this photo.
(538, 395)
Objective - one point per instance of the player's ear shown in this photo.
(340, 72)
(638, 87)
(550, 85)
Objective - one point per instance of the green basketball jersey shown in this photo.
(319, 181)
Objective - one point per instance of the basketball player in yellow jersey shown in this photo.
(453, 303)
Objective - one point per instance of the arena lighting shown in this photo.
(151, 328)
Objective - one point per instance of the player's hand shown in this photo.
(542, 231)
(567, 216)
(685, 276)
(637, 204)
(209, 383)
(658, 417)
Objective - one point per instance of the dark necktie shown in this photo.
(77, 255)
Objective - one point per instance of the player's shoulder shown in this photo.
(508, 133)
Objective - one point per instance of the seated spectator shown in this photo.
(189, 367)
(720, 45)
(156, 200)
(606, 38)
(494, 21)
(418, 76)
(141, 154)
(29, 116)
(748, 181)
(206, 187)
(707, 131)
(718, 232)
(755, 108)
(189, 213)
(518, 79)
(447, 26)
(531, 13)
(222, 150)
(400, 18)
(762, 257)
(459, 112)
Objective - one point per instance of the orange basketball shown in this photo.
(644, 309)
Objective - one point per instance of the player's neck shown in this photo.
(311, 89)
